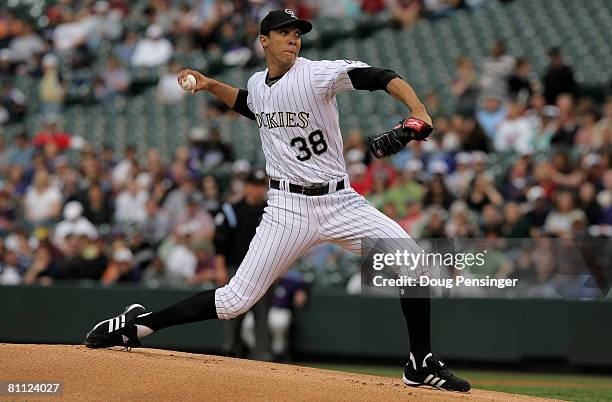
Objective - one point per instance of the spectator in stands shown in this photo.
(121, 268)
(8, 213)
(515, 132)
(431, 224)
(483, 192)
(567, 123)
(153, 50)
(559, 78)
(44, 262)
(212, 197)
(602, 132)
(465, 87)
(43, 201)
(560, 221)
(563, 172)
(380, 183)
(138, 244)
(207, 273)
(407, 187)
(123, 169)
(21, 152)
(521, 84)
(51, 90)
(74, 222)
(413, 215)
(438, 194)
(93, 260)
(130, 204)
(156, 225)
(97, 206)
(587, 121)
(4, 156)
(10, 269)
(108, 24)
(405, 12)
(593, 168)
(490, 222)
(115, 78)
(201, 226)
(124, 51)
(460, 180)
(168, 91)
(50, 133)
(176, 201)
(496, 70)
(230, 43)
(157, 275)
(216, 152)
(604, 199)
(7, 68)
(491, 114)
(545, 125)
(24, 46)
(588, 204)
(515, 224)
(471, 135)
(14, 103)
(182, 261)
(461, 222)
(516, 181)
(16, 182)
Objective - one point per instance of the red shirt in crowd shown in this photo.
(61, 140)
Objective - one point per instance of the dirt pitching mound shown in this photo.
(152, 374)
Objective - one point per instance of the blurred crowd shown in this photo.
(520, 156)
(63, 43)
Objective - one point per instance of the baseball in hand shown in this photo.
(189, 82)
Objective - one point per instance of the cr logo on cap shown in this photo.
(290, 12)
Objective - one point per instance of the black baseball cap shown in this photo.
(280, 18)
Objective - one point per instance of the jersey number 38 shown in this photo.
(317, 145)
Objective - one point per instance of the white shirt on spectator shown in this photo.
(130, 207)
(152, 52)
(121, 172)
(23, 47)
(182, 261)
(514, 135)
(168, 89)
(40, 205)
(80, 226)
(495, 73)
(9, 275)
(68, 36)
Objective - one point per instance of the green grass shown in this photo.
(569, 387)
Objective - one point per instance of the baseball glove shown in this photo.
(391, 142)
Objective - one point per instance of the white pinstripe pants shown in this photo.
(292, 224)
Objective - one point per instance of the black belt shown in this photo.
(316, 189)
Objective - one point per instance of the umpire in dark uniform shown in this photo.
(235, 228)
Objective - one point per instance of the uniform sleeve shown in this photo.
(331, 77)
(242, 104)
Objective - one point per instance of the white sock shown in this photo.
(143, 330)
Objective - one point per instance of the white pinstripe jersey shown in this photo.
(298, 120)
